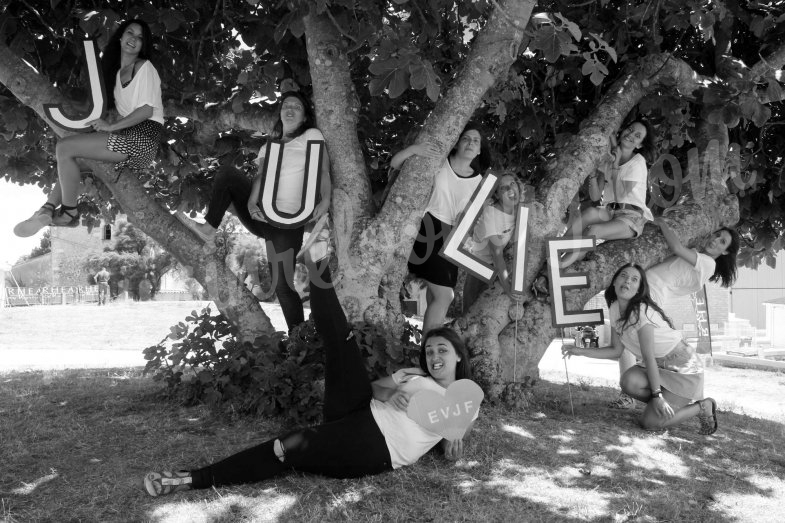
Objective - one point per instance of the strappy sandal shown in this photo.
(707, 421)
(164, 483)
(623, 402)
(66, 218)
(40, 219)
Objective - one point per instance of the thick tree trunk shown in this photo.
(209, 269)
(370, 252)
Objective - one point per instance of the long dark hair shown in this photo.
(725, 268)
(648, 148)
(642, 297)
(463, 370)
(110, 60)
(482, 161)
(309, 119)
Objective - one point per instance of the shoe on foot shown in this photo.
(66, 217)
(40, 219)
(201, 229)
(707, 419)
(163, 483)
(623, 402)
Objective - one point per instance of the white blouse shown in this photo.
(143, 89)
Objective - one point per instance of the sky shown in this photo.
(17, 203)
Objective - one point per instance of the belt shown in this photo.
(624, 206)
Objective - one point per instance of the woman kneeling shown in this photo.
(669, 375)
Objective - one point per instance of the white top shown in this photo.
(665, 338)
(632, 171)
(143, 89)
(494, 227)
(675, 277)
(290, 191)
(406, 440)
(450, 193)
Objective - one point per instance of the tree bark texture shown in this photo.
(368, 251)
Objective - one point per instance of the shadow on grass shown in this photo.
(102, 433)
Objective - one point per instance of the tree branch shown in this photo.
(393, 230)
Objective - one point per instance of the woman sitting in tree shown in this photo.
(132, 140)
(623, 191)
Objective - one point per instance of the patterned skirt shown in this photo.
(140, 142)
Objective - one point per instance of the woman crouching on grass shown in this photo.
(365, 428)
(670, 376)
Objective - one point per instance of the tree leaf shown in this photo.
(774, 91)
(572, 27)
(423, 76)
(546, 39)
(399, 83)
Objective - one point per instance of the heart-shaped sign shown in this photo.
(448, 414)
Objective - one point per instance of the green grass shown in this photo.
(76, 443)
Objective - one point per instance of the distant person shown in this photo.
(494, 229)
(669, 378)
(134, 89)
(102, 279)
(682, 274)
(453, 185)
(623, 212)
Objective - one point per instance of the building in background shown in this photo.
(753, 288)
(64, 265)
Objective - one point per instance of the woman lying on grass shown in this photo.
(671, 375)
(365, 429)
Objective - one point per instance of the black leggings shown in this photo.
(348, 444)
(232, 187)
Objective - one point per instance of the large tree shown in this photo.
(552, 87)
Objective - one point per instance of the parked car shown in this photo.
(587, 337)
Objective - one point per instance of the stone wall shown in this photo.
(71, 247)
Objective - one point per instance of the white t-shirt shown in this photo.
(675, 277)
(494, 227)
(665, 338)
(406, 440)
(633, 171)
(143, 89)
(450, 193)
(290, 191)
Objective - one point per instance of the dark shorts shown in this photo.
(425, 260)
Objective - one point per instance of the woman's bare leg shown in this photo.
(91, 146)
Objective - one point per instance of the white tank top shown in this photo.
(451, 193)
